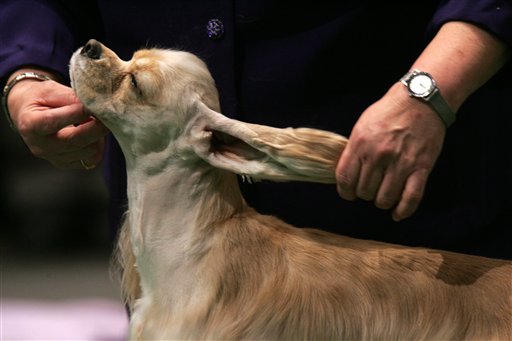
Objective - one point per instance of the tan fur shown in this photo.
(210, 267)
(124, 266)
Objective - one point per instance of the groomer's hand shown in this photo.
(391, 152)
(396, 142)
(54, 124)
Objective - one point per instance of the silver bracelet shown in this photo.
(11, 84)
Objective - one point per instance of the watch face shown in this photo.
(421, 85)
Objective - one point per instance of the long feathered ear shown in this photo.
(124, 268)
(265, 153)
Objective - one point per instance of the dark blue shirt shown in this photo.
(317, 64)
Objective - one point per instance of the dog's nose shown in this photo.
(92, 49)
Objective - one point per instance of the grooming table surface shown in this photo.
(60, 298)
(78, 319)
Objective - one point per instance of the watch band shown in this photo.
(441, 107)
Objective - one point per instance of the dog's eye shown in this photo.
(134, 81)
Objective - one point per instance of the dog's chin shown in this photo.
(71, 79)
(78, 76)
(87, 101)
(74, 74)
(73, 68)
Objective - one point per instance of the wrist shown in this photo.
(423, 87)
(52, 75)
(14, 99)
(413, 108)
(16, 85)
(453, 94)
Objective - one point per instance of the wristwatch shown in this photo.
(421, 85)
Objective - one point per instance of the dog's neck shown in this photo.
(174, 202)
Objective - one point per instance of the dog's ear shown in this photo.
(265, 153)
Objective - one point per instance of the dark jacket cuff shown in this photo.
(494, 16)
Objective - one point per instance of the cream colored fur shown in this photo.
(200, 264)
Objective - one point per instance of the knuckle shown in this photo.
(345, 188)
(365, 194)
(385, 202)
(24, 128)
(73, 139)
(25, 125)
(409, 162)
(386, 152)
(344, 181)
(37, 151)
(413, 197)
(46, 122)
(359, 138)
(47, 88)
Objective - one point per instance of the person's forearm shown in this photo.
(461, 58)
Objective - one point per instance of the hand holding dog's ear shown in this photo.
(391, 152)
(55, 125)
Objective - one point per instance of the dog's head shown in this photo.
(163, 98)
(144, 99)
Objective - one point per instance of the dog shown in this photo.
(199, 263)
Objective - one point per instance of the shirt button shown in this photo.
(214, 29)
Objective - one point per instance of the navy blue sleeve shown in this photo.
(494, 16)
(33, 32)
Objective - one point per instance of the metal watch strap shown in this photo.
(11, 84)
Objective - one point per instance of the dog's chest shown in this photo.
(172, 303)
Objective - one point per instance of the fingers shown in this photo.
(391, 187)
(55, 125)
(86, 158)
(82, 135)
(52, 120)
(411, 195)
(347, 174)
(391, 182)
(73, 146)
(44, 107)
(391, 150)
(56, 95)
(369, 181)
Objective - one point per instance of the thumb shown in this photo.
(57, 95)
(58, 118)
(61, 108)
